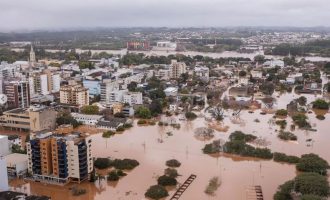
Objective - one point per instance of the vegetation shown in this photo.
(281, 157)
(125, 164)
(308, 184)
(212, 148)
(281, 123)
(156, 192)
(108, 134)
(282, 112)
(301, 120)
(102, 163)
(113, 176)
(78, 191)
(173, 163)
(66, 118)
(171, 172)
(213, 185)
(166, 181)
(285, 135)
(15, 148)
(321, 104)
(190, 115)
(312, 163)
(320, 117)
(90, 110)
(302, 100)
(143, 112)
(142, 121)
(239, 135)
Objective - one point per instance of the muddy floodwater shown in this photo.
(152, 147)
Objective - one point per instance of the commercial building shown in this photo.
(138, 45)
(59, 159)
(18, 94)
(74, 95)
(3, 175)
(35, 118)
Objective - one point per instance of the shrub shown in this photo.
(90, 110)
(281, 157)
(213, 147)
(113, 176)
(166, 181)
(125, 164)
(160, 123)
(312, 163)
(156, 192)
(171, 172)
(311, 197)
(238, 135)
(282, 112)
(301, 120)
(321, 104)
(120, 128)
(320, 117)
(142, 121)
(121, 173)
(281, 123)
(285, 135)
(190, 115)
(78, 191)
(102, 163)
(173, 163)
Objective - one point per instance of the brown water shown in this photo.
(236, 173)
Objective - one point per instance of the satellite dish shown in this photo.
(3, 99)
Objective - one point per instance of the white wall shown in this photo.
(3, 175)
(4, 145)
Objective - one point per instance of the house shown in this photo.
(15, 140)
(171, 91)
(86, 119)
(111, 124)
(239, 91)
(274, 63)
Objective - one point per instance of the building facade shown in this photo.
(18, 94)
(59, 159)
(74, 95)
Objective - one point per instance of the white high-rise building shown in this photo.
(3, 175)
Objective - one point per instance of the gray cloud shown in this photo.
(54, 14)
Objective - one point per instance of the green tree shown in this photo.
(156, 192)
(166, 181)
(143, 112)
(90, 110)
(321, 104)
(312, 163)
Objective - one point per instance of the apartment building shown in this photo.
(18, 93)
(133, 98)
(44, 83)
(59, 159)
(177, 68)
(202, 73)
(74, 95)
(35, 118)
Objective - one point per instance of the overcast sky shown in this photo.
(55, 14)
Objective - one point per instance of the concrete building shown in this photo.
(18, 94)
(44, 83)
(202, 73)
(177, 68)
(163, 74)
(138, 45)
(17, 164)
(165, 46)
(3, 175)
(8, 70)
(133, 98)
(171, 91)
(35, 118)
(86, 119)
(59, 159)
(4, 145)
(93, 86)
(74, 95)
